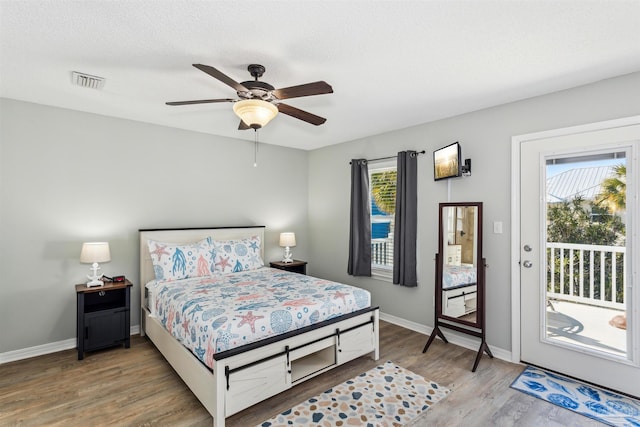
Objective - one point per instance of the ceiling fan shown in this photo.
(259, 102)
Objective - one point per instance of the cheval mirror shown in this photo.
(460, 274)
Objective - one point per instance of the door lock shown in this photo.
(527, 248)
(527, 264)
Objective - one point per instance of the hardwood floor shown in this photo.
(137, 387)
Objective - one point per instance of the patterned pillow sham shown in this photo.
(237, 255)
(175, 261)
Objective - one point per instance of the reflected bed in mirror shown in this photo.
(459, 269)
(460, 284)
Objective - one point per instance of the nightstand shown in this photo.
(295, 267)
(104, 316)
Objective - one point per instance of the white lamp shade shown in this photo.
(95, 252)
(287, 239)
(255, 113)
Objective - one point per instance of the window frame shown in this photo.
(378, 272)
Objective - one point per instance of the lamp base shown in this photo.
(93, 280)
(288, 256)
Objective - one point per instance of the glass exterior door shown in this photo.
(577, 268)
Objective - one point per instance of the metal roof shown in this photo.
(583, 182)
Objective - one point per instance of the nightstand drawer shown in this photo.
(102, 300)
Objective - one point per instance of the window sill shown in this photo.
(383, 274)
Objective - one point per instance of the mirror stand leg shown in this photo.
(484, 348)
(436, 332)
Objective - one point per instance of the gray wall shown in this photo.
(67, 177)
(486, 138)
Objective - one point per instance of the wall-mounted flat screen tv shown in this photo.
(446, 162)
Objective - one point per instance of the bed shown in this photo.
(459, 288)
(274, 329)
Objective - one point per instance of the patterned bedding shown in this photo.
(212, 314)
(454, 276)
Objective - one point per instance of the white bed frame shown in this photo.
(242, 379)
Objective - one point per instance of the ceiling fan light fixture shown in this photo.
(255, 113)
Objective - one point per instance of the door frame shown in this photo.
(516, 142)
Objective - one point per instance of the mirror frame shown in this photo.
(480, 266)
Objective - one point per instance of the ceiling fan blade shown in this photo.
(300, 114)
(243, 126)
(201, 101)
(222, 77)
(316, 88)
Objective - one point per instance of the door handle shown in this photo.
(527, 264)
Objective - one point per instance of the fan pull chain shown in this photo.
(255, 149)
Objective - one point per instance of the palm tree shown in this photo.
(614, 190)
(383, 190)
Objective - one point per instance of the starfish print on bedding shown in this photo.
(159, 251)
(224, 339)
(254, 245)
(339, 294)
(223, 263)
(250, 320)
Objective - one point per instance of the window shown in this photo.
(382, 184)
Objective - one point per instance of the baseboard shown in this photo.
(40, 350)
(462, 341)
(453, 338)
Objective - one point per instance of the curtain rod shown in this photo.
(390, 157)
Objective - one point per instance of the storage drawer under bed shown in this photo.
(256, 381)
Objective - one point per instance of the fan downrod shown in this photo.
(256, 70)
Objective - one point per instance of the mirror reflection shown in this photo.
(460, 262)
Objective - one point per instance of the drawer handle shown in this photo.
(286, 350)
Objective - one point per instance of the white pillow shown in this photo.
(175, 261)
(237, 255)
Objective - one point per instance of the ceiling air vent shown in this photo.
(87, 80)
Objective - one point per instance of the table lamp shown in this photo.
(287, 240)
(93, 253)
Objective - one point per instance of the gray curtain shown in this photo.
(406, 221)
(360, 221)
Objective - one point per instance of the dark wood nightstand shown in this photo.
(295, 267)
(104, 316)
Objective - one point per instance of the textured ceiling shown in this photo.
(392, 64)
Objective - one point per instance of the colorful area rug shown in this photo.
(593, 402)
(387, 395)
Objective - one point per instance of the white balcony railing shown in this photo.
(382, 252)
(586, 274)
